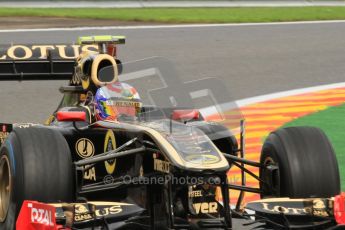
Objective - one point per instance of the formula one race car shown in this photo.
(106, 160)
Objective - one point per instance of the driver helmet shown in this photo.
(115, 100)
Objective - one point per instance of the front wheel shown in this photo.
(35, 164)
(299, 162)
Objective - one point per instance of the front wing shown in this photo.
(84, 215)
(278, 213)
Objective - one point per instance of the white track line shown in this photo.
(208, 111)
(170, 26)
(267, 97)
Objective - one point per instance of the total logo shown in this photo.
(41, 216)
(35, 215)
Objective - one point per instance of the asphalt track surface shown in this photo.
(251, 60)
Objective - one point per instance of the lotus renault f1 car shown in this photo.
(105, 160)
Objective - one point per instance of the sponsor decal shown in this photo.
(319, 204)
(203, 159)
(161, 166)
(286, 210)
(90, 174)
(110, 144)
(317, 207)
(41, 215)
(196, 193)
(84, 148)
(108, 211)
(82, 212)
(81, 208)
(322, 207)
(205, 208)
(82, 217)
(35, 215)
(127, 104)
(24, 125)
(25, 52)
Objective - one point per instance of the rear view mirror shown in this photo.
(71, 116)
(185, 115)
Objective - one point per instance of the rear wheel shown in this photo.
(35, 164)
(299, 162)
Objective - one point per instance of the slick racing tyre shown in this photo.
(299, 162)
(35, 164)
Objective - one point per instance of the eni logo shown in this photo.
(110, 144)
(85, 148)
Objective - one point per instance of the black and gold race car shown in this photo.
(154, 166)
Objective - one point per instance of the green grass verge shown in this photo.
(332, 122)
(190, 15)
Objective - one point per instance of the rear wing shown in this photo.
(49, 69)
(51, 62)
(39, 62)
